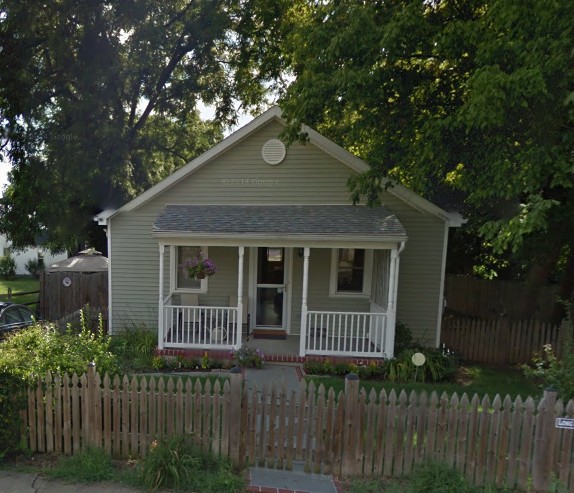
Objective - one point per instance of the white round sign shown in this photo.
(418, 359)
(67, 282)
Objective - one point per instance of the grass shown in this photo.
(20, 285)
(471, 379)
(174, 465)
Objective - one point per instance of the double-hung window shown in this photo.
(351, 272)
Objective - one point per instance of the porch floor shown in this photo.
(289, 346)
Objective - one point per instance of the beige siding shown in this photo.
(418, 297)
(240, 176)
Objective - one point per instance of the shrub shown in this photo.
(248, 357)
(134, 345)
(554, 372)
(176, 463)
(7, 268)
(437, 367)
(34, 266)
(12, 399)
(403, 337)
(35, 350)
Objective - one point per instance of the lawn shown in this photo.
(20, 285)
(471, 378)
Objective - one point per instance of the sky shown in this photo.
(205, 111)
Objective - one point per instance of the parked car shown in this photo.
(14, 316)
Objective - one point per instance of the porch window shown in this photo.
(182, 281)
(351, 272)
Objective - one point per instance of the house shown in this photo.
(296, 260)
(23, 257)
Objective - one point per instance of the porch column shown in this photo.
(160, 312)
(240, 297)
(303, 335)
(392, 302)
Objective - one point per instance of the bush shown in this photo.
(248, 357)
(437, 367)
(12, 399)
(403, 338)
(34, 266)
(134, 345)
(7, 268)
(176, 463)
(35, 350)
(554, 372)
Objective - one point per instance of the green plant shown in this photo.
(134, 345)
(35, 350)
(438, 478)
(403, 337)
(176, 463)
(7, 267)
(34, 266)
(437, 367)
(158, 363)
(89, 465)
(554, 372)
(12, 400)
(248, 357)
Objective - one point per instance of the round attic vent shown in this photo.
(273, 151)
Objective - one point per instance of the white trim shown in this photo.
(288, 288)
(441, 287)
(173, 271)
(367, 276)
(251, 285)
(315, 138)
(160, 324)
(292, 240)
(109, 241)
(304, 294)
(239, 325)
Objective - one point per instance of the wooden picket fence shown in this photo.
(499, 341)
(512, 443)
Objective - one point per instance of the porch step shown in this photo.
(269, 334)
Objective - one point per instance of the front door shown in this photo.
(270, 288)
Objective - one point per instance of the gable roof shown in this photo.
(315, 138)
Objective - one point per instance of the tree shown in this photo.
(452, 95)
(98, 101)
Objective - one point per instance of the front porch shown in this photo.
(338, 301)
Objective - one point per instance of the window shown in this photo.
(351, 272)
(182, 281)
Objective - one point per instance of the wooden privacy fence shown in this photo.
(489, 299)
(499, 341)
(515, 443)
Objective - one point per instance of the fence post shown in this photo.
(351, 401)
(89, 405)
(9, 294)
(543, 459)
(234, 414)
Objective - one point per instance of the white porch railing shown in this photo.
(200, 327)
(357, 334)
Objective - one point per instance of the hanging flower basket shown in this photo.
(200, 266)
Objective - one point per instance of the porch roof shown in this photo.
(295, 221)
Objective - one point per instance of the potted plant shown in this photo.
(200, 266)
